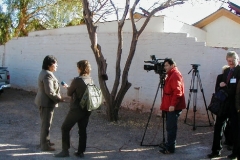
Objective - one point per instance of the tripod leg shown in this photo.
(163, 117)
(189, 97)
(150, 114)
(200, 84)
(195, 105)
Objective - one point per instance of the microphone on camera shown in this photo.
(63, 83)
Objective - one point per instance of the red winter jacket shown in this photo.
(173, 91)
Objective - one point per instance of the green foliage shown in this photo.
(31, 15)
(62, 13)
(5, 27)
(76, 21)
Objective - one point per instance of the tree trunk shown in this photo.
(115, 98)
(20, 29)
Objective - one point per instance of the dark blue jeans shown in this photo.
(171, 122)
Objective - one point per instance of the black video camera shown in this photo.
(157, 66)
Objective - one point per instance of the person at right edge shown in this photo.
(76, 114)
(173, 101)
(229, 82)
(238, 118)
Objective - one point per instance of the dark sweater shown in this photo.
(77, 89)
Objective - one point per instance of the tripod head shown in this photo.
(162, 79)
(194, 68)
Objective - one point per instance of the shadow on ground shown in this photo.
(20, 126)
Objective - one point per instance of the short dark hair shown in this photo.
(48, 61)
(170, 61)
(84, 67)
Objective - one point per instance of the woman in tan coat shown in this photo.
(47, 98)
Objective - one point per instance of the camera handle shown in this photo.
(160, 85)
(190, 71)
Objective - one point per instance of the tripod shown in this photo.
(195, 73)
(160, 85)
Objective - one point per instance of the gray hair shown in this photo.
(232, 54)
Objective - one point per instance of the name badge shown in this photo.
(233, 80)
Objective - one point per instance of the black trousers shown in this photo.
(238, 147)
(219, 128)
(46, 115)
(75, 115)
(227, 134)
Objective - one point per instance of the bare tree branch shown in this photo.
(101, 16)
(119, 50)
(167, 4)
(127, 4)
(116, 10)
(102, 5)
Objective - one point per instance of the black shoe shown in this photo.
(232, 156)
(213, 155)
(162, 145)
(62, 154)
(79, 154)
(165, 151)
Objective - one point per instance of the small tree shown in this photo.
(93, 11)
(5, 27)
(32, 15)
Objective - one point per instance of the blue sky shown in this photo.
(189, 12)
(193, 12)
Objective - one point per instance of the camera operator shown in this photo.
(173, 101)
(229, 82)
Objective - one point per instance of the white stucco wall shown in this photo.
(156, 24)
(1, 55)
(24, 59)
(173, 26)
(223, 32)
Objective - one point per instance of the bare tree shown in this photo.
(101, 8)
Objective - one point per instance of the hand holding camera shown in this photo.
(64, 84)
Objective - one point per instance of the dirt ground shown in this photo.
(20, 127)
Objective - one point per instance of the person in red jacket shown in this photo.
(173, 101)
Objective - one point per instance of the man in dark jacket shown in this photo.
(173, 101)
(229, 82)
(227, 129)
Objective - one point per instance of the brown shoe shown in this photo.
(50, 143)
(48, 149)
